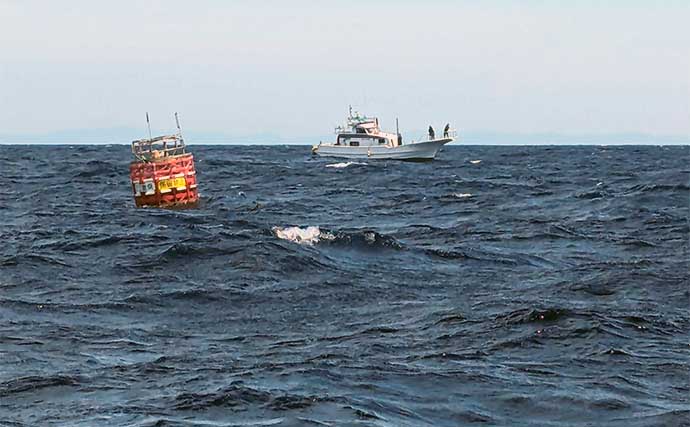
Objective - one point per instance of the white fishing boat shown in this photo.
(362, 138)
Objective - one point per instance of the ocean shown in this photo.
(494, 286)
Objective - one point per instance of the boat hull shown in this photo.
(416, 151)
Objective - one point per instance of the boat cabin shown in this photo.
(358, 140)
(362, 131)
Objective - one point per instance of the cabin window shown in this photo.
(361, 130)
(354, 143)
(382, 141)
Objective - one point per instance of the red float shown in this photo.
(163, 173)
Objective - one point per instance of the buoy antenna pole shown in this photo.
(177, 121)
(148, 124)
(179, 133)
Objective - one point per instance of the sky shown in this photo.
(291, 68)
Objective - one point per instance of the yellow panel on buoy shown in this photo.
(165, 185)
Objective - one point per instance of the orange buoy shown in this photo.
(163, 173)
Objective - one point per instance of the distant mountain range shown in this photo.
(126, 135)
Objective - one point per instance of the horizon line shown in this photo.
(474, 144)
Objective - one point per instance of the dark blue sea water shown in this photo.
(510, 286)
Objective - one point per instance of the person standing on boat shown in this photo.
(446, 130)
(432, 135)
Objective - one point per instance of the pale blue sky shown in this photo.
(292, 67)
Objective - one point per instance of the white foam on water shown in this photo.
(303, 236)
(343, 165)
(475, 162)
(462, 195)
(370, 237)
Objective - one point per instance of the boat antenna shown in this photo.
(397, 128)
(148, 124)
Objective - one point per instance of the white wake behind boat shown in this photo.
(362, 138)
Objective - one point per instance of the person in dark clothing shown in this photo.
(446, 130)
(432, 135)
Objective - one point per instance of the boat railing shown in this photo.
(452, 133)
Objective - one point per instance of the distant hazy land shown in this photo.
(126, 135)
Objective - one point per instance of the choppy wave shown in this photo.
(24, 385)
(344, 165)
(304, 236)
(546, 287)
(357, 239)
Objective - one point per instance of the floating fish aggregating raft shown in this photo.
(163, 173)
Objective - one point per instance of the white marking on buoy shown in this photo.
(149, 187)
(137, 188)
